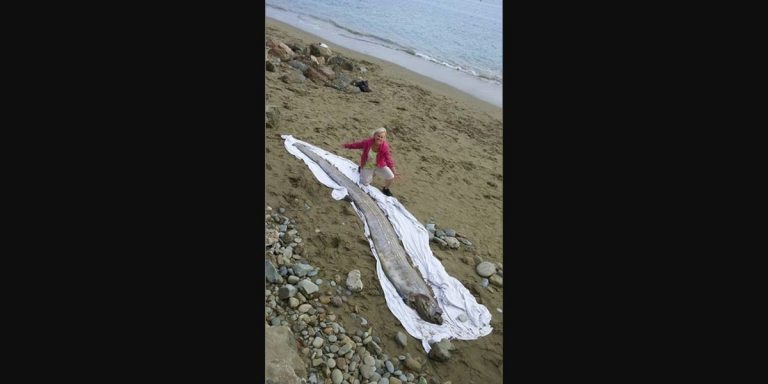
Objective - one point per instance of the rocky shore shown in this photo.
(326, 318)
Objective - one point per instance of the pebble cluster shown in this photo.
(332, 353)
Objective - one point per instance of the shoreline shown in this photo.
(398, 71)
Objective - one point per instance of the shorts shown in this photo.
(366, 176)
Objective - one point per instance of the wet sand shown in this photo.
(448, 147)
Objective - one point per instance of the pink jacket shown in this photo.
(383, 157)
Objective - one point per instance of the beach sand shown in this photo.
(446, 145)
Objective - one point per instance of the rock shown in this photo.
(271, 235)
(430, 227)
(345, 348)
(319, 50)
(440, 241)
(497, 281)
(353, 281)
(286, 291)
(337, 376)
(341, 363)
(318, 342)
(269, 66)
(301, 270)
(367, 370)
(293, 77)
(342, 62)
(293, 279)
(452, 242)
(390, 367)
(293, 302)
(271, 273)
(341, 82)
(307, 287)
(450, 233)
(313, 59)
(282, 362)
(304, 308)
(394, 380)
(401, 339)
(439, 233)
(412, 364)
(288, 252)
(485, 269)
(484, 283)
(281, 51)
(298, 65)
(462, 318)
(441, 351)
(336, 301)
(327, 72)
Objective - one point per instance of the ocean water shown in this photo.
(457, 42)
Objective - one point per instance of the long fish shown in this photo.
(394, 260)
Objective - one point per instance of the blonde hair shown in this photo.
(377, 130)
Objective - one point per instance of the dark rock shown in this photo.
(298, 65)
(270, 66)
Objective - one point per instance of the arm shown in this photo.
(355, 145)
(388, 159)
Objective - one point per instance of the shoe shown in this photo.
(387, 192)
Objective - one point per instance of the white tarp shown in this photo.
(454, 299)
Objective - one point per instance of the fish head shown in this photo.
(427, 308)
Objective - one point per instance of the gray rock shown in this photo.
(293, 279)
(390, 367)
(450, 233)
(341, 82)
(307, 287)
(452, 242)
(301, 270)
(342, 62)
(336, 301)
(431, 227)
(383, 380)
(497, 281)
(484, 283)
(281, 210)
(439, 233)
(353, 281)
(271, 273)
(412, 364)
(283, 363)
(293, 77)
(276, 321)
(318, 342)
(286, 291)
(367, 370)
(287, 252)
(336, 376)
(401, 339)
(439, 241)
(462, 318)
(298, 65)
(344, 349)
(485, 269)
(293, 302)
(441, 351)
(304, 308)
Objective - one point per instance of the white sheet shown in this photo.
(454, 299)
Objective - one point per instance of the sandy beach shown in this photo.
(447, 146)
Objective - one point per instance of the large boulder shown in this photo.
(282, 362)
